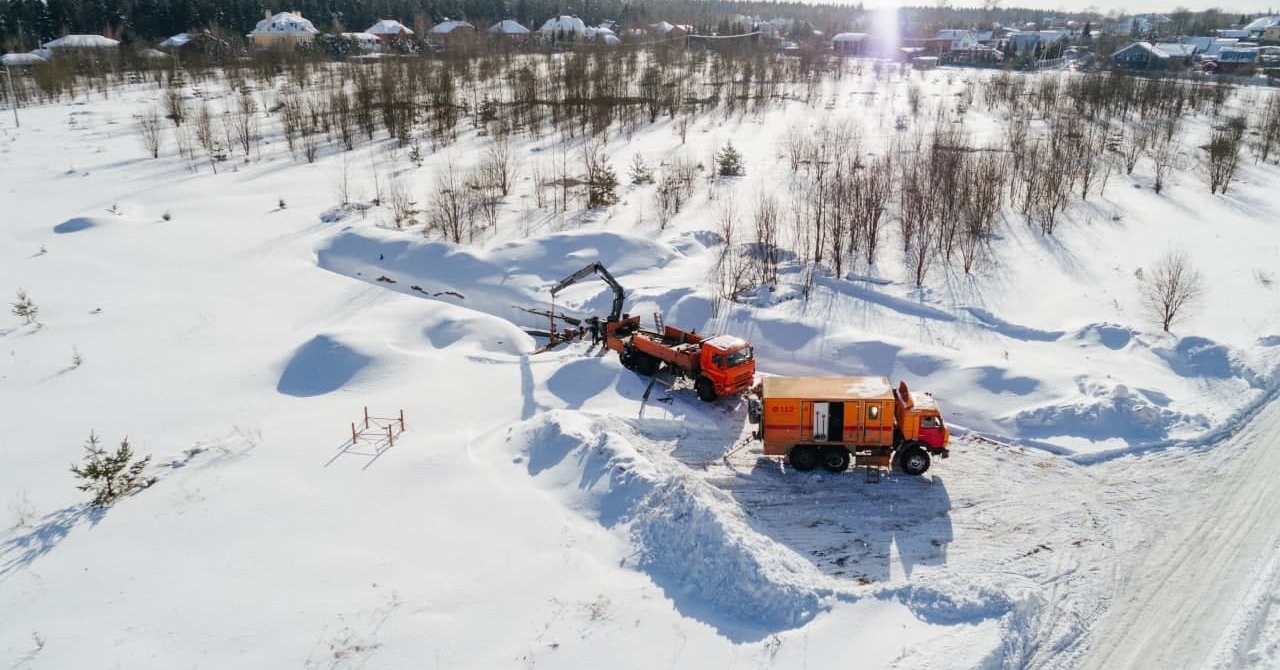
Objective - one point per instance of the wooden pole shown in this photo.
(391, 438)
(402, 421)
(353, 432)
(366, 418)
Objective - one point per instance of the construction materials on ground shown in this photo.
(829, 421)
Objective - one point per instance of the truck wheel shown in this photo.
(835, 459)
(646, 364)
(914, 460)
(628, 358)
(705, 389)
(803, 458)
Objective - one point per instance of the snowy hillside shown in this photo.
(537, 513)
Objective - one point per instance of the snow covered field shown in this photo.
(536, 513)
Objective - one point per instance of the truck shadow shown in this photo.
(849, 527)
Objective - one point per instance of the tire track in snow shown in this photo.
(1177, 603)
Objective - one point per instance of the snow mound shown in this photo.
(322, 365)
(496, 281)
(77, 224)
(1109, 335)
(692, 539)
(1202, 357)
(1012, 330)
(1109, 412)
(474, 330)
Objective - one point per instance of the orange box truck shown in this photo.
(829, 421)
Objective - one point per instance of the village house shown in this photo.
(509, 29)
(74, 43)
(957, 40)
(1180, 55)
(1140, 56)
(452, 29)
(849, 44)
(282, 30)
(563, 27)
(389, 30)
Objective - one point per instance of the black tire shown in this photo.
(835, 459)
(803, 458)
(628, 358)
(914, 460)
(705, 389)
(646, 364)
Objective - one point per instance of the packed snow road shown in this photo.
(1199, 594)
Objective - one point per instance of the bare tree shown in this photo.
(245, 123)
(448, 207)
(1171, 286)
(498, 165)
(1134, 145)
(767, 252)
(402, 203)
(1163, 150)
(1224, 154)
(149, 129)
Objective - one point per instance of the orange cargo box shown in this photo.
(856, 412)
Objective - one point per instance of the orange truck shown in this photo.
(827, 421)
(719, 366)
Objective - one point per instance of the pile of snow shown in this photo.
(692, 539)
(1109, 411)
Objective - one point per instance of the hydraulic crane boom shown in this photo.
(599, 269)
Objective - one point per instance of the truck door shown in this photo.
(878, 426)
(821, 421)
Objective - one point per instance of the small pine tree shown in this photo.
(108, 476)
(603, 189)
(640, 172)
(25, 309)
(730, 162)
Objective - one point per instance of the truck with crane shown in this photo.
(718, 366)
(827, 421)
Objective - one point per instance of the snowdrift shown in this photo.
(690, 538)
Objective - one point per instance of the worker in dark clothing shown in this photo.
(593, 323)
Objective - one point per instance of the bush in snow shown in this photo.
(639, 171)
(1170, 287)
(730, 162)
(110, 476)
(25, 309)
(149, 129)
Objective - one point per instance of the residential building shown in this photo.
(285, 29)
(1140, 56)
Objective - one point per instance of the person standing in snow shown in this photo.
(593, 323)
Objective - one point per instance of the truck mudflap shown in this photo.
(942, 452)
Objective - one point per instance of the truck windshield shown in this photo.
(739, 357)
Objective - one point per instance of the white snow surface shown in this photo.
(234, 325)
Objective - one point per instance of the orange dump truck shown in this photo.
(722, 365)
(829, 421)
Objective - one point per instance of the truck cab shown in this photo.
(728, 364)
(919, 420)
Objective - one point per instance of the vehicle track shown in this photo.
(1176, 603)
